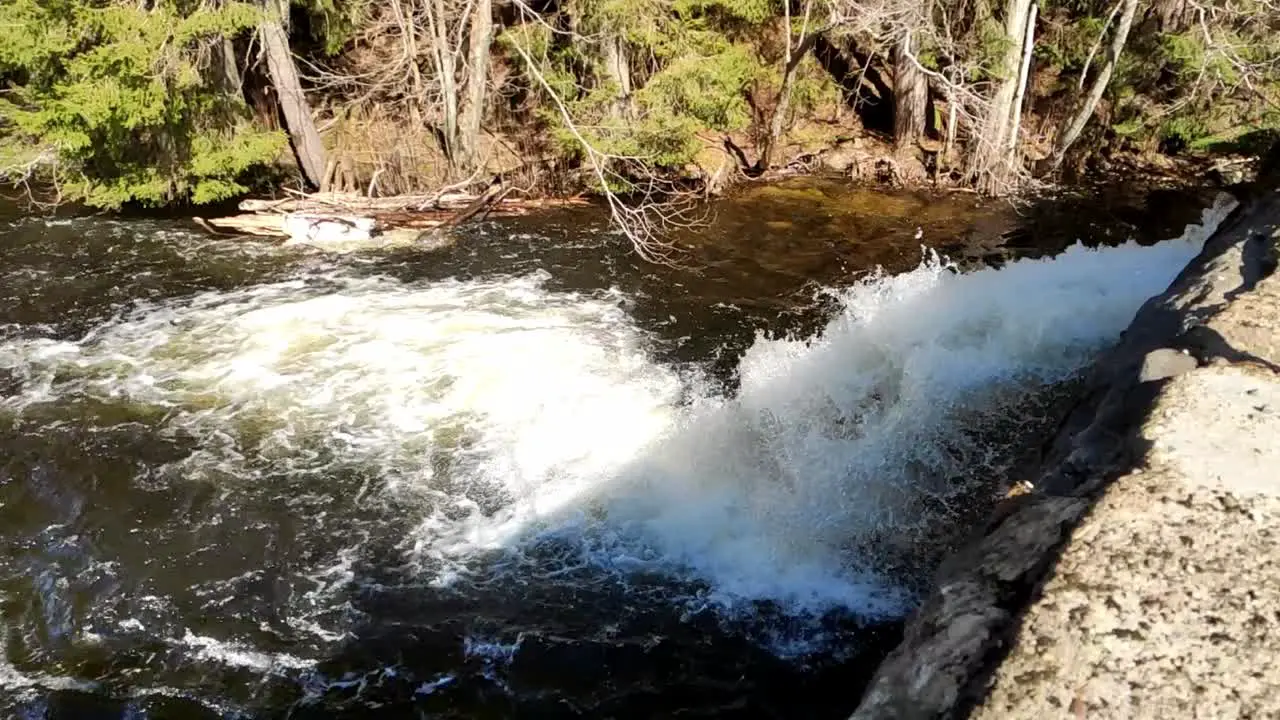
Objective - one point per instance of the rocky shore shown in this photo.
(1141, 576)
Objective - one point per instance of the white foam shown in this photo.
(489, 650)
(553, 423)
(376, 372)
(831, 445)
(13, 679)
(236, 655)
(430, 687)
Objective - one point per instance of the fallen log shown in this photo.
(257, 225)
(351, 203)
(273, 226)
(211, 229)
(306, 218)
(480, 207)
(484, 203)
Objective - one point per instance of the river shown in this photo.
(526, 474)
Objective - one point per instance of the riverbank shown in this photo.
(1135, 579)
(969, 229)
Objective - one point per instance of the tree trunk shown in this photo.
(990, 166)
(307, 145)
(1171, 16)
(445, 61)
(1097, 45)
(1075, 126)
(477, 84)
(227, 68)
(950, 142)
(617, 66)
(910, 96)
(1024, 74)
(778, 121)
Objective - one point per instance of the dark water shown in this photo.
(137, 582)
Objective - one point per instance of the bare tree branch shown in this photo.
(643, 222)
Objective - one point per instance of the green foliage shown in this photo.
(1248, 140)
(123, 97)
(125, 100)
(1129, 128)
(1197, 88)
(1181, 53)
(993, 43)
(1184, 130)
(1067, 45)
(335, 23)
(701, 68)
(706, 89)
(641, 22)
(813, 89)
(751, 11)
(699, 86)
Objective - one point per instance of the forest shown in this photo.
(158, 102)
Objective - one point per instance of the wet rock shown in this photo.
(1138, 580)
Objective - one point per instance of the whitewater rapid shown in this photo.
(530, 430)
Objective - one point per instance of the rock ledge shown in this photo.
(1141, 578)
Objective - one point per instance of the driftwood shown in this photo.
(478, 209)
(429, 214)
(259, 225)
(482, 205)
(358, 204)
(229, 226)
(263, 225)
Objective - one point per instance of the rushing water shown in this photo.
(525, 475)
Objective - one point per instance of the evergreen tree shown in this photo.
(146, 102)
(127, 102)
